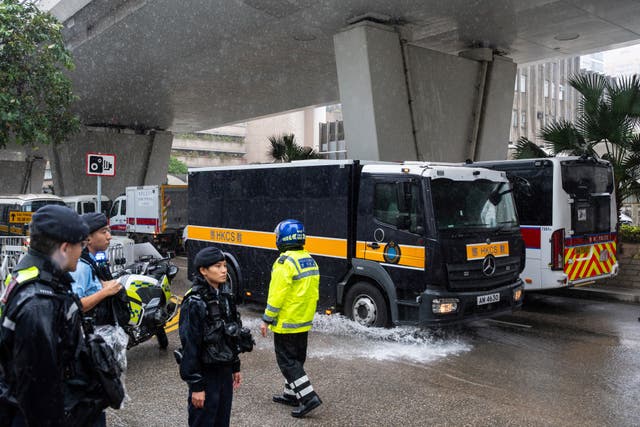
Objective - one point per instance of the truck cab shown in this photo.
(446, 237)
(118, 215)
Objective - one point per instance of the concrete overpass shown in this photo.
(418, 79)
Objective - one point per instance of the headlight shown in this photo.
(444, 305)
(518, 293)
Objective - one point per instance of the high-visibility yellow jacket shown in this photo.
(293, 293)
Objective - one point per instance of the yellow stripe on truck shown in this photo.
(323, 246)
(410, 256)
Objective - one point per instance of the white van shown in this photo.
(86, 203)
(118, 215)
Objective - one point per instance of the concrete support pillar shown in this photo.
(22, 169)
(410, 103)
(373, 92)
(493, 135)
(141, 159)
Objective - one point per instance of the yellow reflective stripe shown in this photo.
(410, 256)
(27, 274)
(315, 245)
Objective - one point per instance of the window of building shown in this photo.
(546, 88)
(514, 118)
(523, 120)
(561, 92)
(523, 83)
(553, 90)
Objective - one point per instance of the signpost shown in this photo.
(100, 165)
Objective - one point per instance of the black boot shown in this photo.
(285, 400)
(304, 408)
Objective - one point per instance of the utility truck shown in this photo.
(151, 213)
(412, 243)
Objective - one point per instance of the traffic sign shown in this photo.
(101, 164)
(19, 217)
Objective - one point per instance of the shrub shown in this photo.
(629, 234)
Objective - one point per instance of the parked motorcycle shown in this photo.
(148, 286)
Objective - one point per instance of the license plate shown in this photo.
(582, 251)
(488, 299)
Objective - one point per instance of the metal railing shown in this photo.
(11, 250)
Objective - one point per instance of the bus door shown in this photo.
(534, 196)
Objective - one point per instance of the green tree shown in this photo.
(35, 94)
(176, 166)
(285, 149)
(607, 123)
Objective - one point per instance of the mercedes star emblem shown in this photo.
(489, 265)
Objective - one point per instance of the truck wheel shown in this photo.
(366, 305)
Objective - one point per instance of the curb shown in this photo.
(628, 297)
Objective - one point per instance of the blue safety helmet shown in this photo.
(290, 234)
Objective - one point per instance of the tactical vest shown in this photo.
(222, 326)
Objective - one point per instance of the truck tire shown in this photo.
(366, 305)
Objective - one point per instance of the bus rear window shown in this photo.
(581, 178)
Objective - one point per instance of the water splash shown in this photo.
(399, 343)
(345, 339)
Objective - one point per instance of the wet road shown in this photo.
(560, 361)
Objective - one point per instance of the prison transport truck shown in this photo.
(413, 243)
(152, 213)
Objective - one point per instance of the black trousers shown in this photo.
(218, 395)
(291, 353)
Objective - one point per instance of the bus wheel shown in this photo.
(232, 281)
(366, 305)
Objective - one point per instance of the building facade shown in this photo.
(542, 96)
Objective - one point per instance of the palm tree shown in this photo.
(285, 149)
(607, 123)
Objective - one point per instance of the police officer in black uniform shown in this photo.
(208, 322)
(41, 327)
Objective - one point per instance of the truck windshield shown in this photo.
(473, 204)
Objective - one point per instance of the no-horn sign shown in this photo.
(101, 164)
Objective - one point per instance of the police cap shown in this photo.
(60, 223)
(207, 257)
(95, 221)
